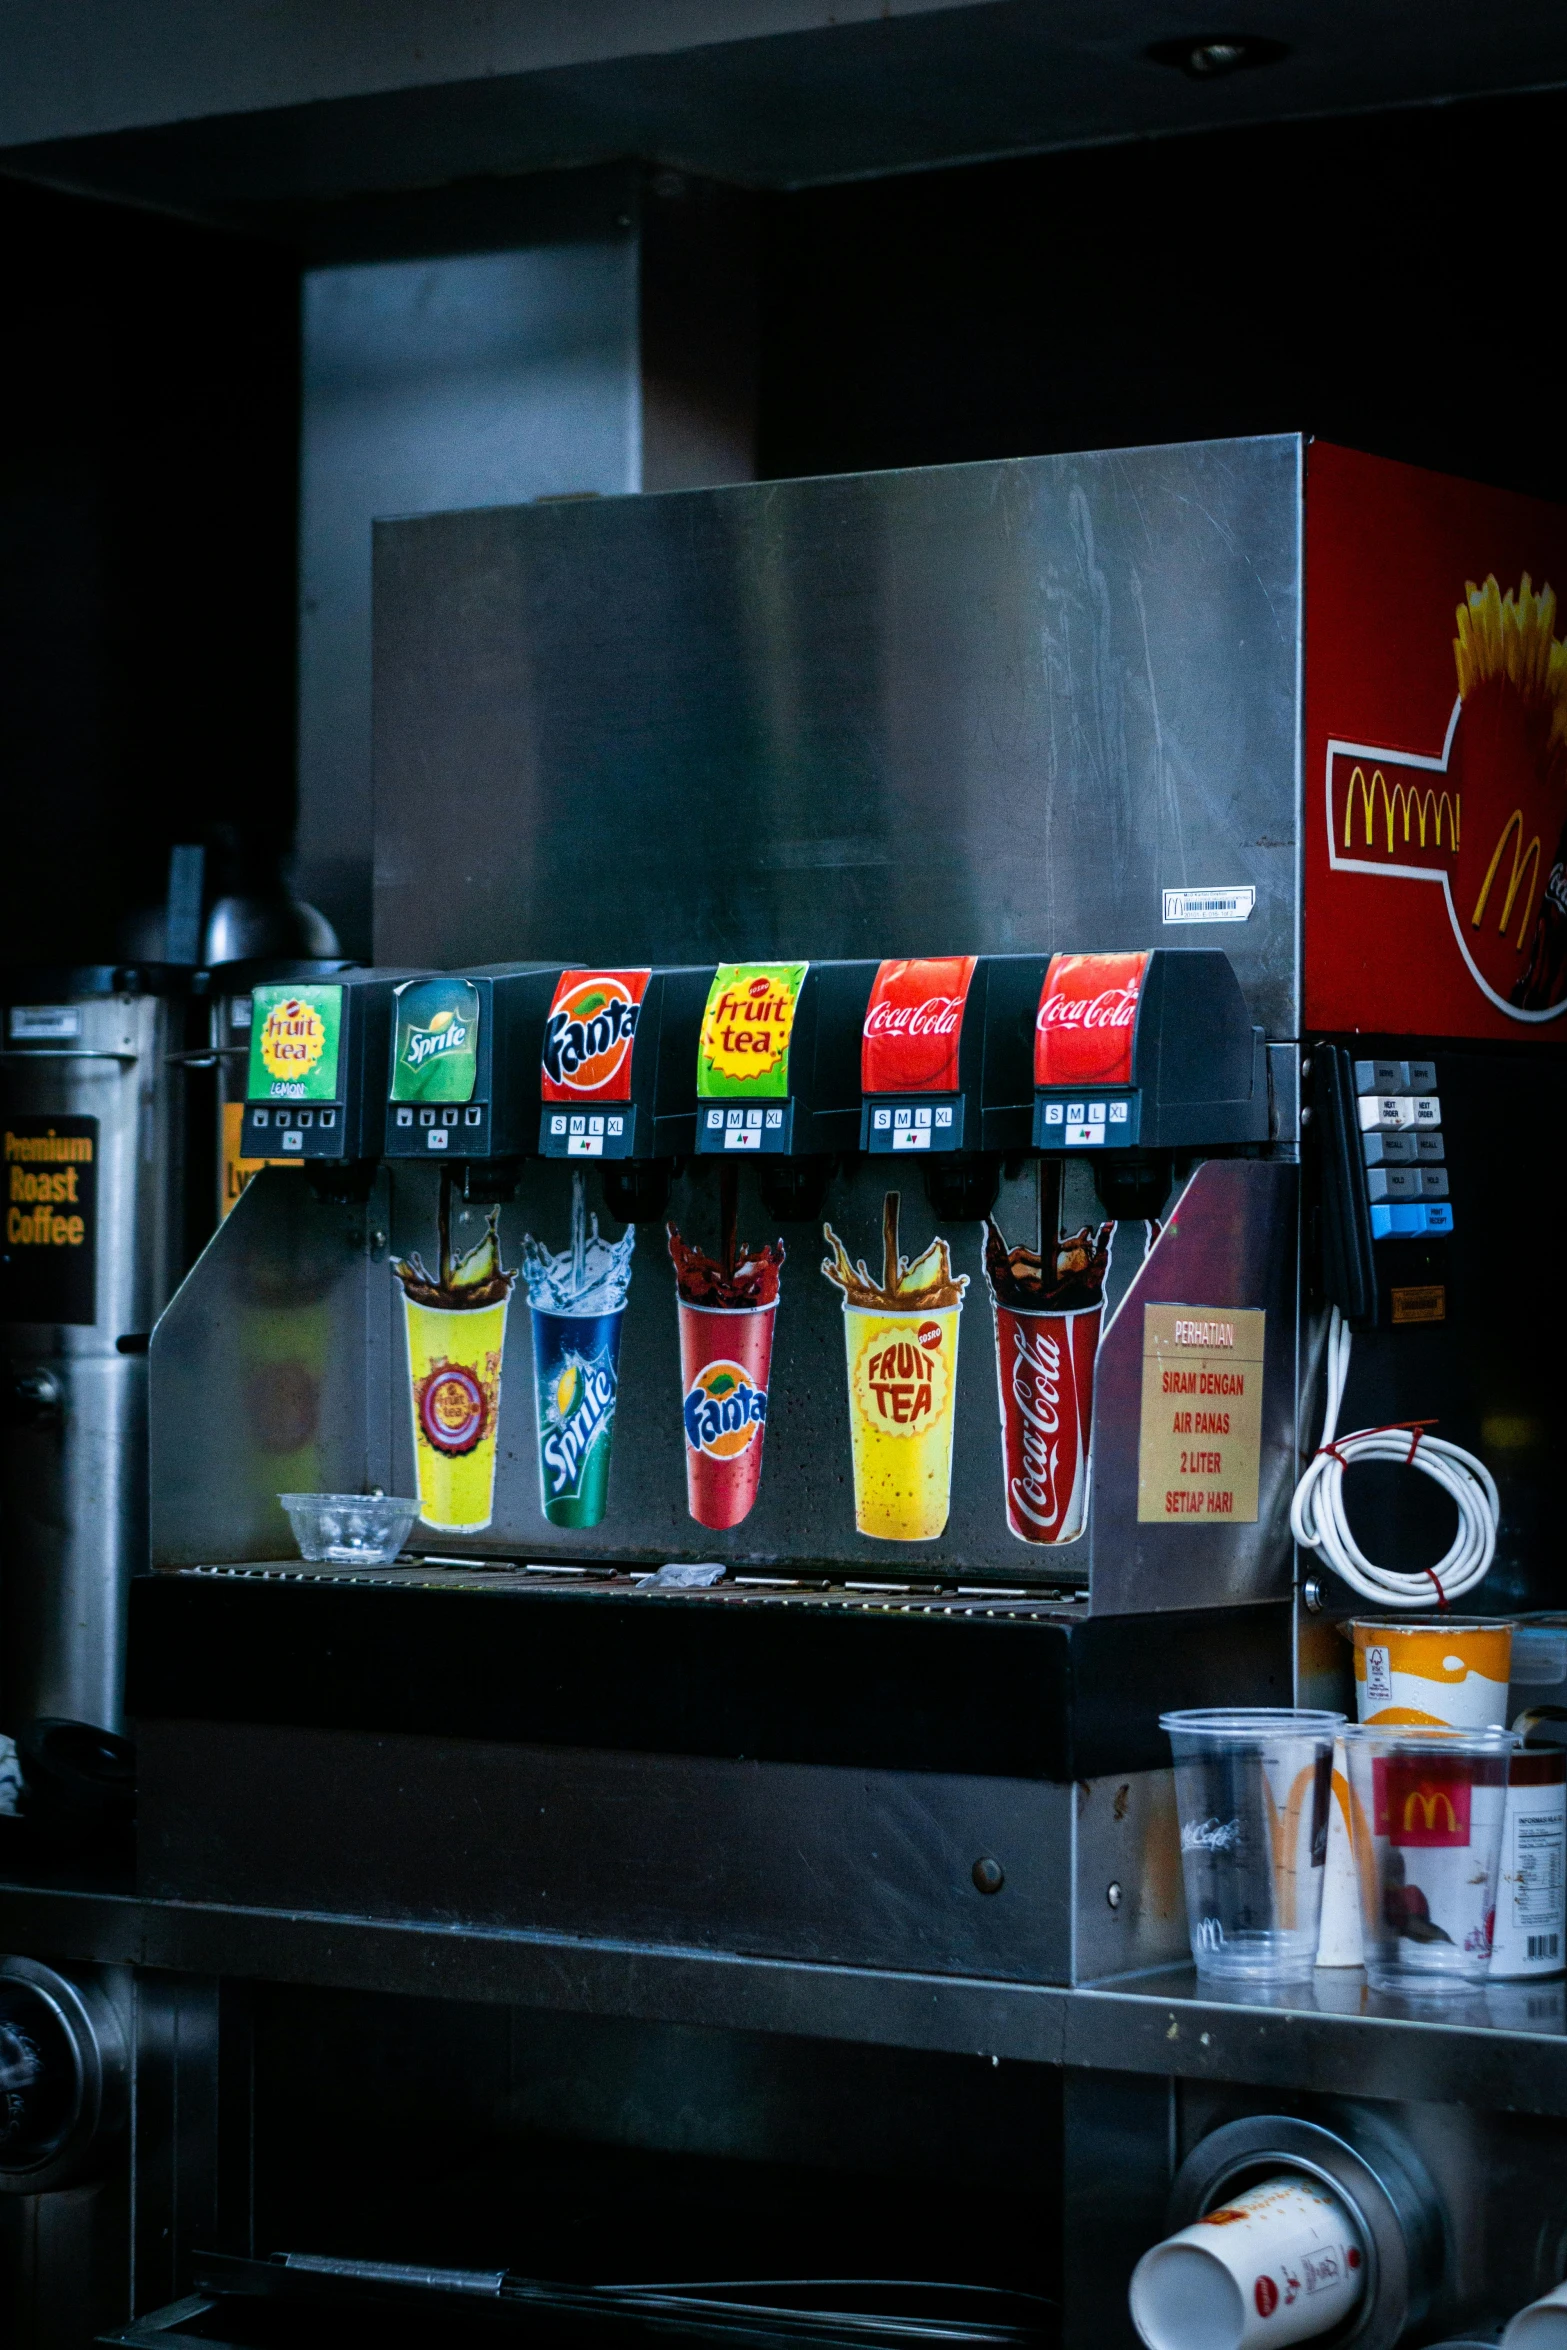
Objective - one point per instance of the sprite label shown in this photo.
(294, 1037)
(435, 1057)
(746, 1028)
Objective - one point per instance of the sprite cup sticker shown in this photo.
(436, 1054)
(294, 1037)
(576, 1411)
(744, 1052)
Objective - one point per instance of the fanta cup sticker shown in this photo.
(1087, 1019)
(454, 1405)
(294, 1039)
(436, 1052)
(724, 1412)
(902, 1380)
(589, 1036)
(914, 1025)
(746, 1030)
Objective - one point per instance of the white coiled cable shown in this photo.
(1317, 1518)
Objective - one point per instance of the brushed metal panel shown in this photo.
(267, 1374)
(869, 1868)
(995, 707)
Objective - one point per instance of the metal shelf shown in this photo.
(1506, 2051)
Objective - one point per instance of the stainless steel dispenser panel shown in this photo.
(992, 707)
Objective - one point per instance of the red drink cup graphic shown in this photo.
(1045, 1368)
(727, 1307)
(726, 1354)
(1049, 1308)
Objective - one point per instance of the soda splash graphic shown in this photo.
(591, 1277)
(929, 1281)
(1064, 1273)
(744, 1277)
(466, 1282)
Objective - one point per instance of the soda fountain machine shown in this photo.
(1023, 979)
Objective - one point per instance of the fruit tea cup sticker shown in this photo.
(590, 1034)
(295, 1037)
(435, 1056)
(747, 1028)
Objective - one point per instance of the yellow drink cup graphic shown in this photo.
(456, 1323)
(454, 1376)
(902, 1384)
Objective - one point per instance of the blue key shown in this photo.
(1438, 1216)
(1381, 1221)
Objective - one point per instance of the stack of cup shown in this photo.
(1281, 2263)
(1542, 2326)
(1434, 1672)
(1251, 1787)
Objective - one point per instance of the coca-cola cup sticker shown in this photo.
(1045, 1368)
(914, 1025)
(1087, 1019)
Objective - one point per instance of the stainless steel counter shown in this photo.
(1504, 2052)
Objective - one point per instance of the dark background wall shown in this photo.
(148, 404)
(1386, 280)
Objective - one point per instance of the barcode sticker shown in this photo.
(1545, 1945)
(1209, 905)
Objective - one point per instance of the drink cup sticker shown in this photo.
(901, 1340)
(727, 1307)
(435, 1056)
(1418, 1807)
(455, 1318)
(1047, 1338)
(1087, 1019)
(914, 1025)
(589, 1036)
(746, 1031)
(578, 1303)
(294, 1038)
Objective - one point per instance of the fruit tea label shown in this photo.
(746, 1031)
(589, 1035)
(436, 1054)
(914, 1025)
(295, 1033)
(1087, 1019)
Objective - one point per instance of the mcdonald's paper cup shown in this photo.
(1451, 1670)
(1282, 2263)
(1427, 1818)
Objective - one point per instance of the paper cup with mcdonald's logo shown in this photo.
(1447, 1670)
(1426, 1811)
(1283, 2262)
(454, 1369)
(902, 1386)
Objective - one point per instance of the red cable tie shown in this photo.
(1383, 1428)
(1441, 1595)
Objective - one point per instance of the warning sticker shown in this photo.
(1200, 1440)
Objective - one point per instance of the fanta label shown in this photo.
(724, 1413)
(589, 1035)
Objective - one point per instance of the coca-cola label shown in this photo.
(1045, 1372)
(914, 1025)
(1087, 1019)
(589, 1035)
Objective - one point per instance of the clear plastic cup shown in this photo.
(1252, 1789)
(1426, 1817)
(349, 1529)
